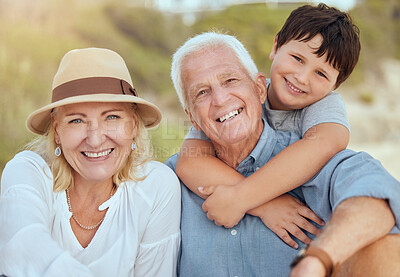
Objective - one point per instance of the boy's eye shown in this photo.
(77, 120)
(297, 58)
(321, 74)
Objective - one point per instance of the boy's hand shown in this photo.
(286, 214)
(222, 205)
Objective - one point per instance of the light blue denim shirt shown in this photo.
(250, 248)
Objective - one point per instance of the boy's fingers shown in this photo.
(306, 225)
(308, 213)
(298, 233)
(206, 190)
(284, 235)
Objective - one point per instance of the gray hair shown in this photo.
(203, 42)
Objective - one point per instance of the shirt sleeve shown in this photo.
(349, 174)
(26, 245)
(362, 175)
(158, 250)
(330, 109)
(194, 134)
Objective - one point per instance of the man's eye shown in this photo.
(75, 121)
(201, 92)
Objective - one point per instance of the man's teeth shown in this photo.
(97, 155)
(295, 89)
(230, 115)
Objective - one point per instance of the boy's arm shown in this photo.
(197, 167)
(292, 167)
(283, 215)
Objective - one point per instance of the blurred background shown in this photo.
(34, 35)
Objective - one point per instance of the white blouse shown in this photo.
(139, 235)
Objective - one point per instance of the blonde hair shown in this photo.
(62, 172)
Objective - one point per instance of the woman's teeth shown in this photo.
(230, 115)
(98, 154)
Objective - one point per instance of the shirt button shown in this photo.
(257, 168)
(233, 232)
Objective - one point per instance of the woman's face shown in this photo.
(95, 138)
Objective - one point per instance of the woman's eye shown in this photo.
(75, 121)
(113, 116)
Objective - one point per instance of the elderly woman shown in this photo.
(86, 200)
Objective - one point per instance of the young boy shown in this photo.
(315, 51)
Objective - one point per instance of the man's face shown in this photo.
(298, 76)
(222, 99)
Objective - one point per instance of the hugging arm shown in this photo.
(292, 167)
(282, 215)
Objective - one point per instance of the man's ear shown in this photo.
(273, 50)
(195, 125)
(261, 87)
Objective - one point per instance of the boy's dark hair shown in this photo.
(340, 36)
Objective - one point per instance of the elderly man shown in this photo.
(352, 191)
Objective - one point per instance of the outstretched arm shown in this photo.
(355, 223)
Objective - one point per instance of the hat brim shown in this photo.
(38, 122)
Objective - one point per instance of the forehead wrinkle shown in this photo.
(226, 74)
(75, 114)
(203, 84)
(193, 89)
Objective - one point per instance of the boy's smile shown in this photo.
(298, 76)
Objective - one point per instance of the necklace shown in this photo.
(76, 220)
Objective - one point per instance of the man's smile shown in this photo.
(230, 115)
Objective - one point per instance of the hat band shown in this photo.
(92, 85)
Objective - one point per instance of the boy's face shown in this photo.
(298, 76)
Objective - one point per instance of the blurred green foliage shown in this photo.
(35, 36)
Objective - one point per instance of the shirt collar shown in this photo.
(263, 150)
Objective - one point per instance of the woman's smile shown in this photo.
(95, 138)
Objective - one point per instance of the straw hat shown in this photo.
(92, 75)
